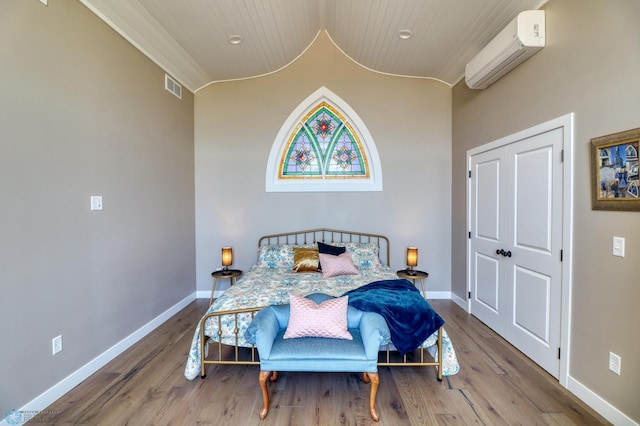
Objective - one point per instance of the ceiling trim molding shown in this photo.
(382, 72)
(341, 51)
(110, 12)
(265, 74)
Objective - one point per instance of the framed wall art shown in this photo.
(614, 171)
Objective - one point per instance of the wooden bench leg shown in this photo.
(375, 380)
(265, 393)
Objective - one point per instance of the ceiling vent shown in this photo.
(521, 39)
(172, 86)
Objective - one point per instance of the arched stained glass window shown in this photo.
(323, 146)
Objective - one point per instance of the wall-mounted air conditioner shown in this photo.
(518, 41)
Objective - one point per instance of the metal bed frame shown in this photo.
(220, 353)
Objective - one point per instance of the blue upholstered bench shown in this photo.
(317, 354)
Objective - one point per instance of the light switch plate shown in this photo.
(56, 344)
(618, 246)
(96, 202)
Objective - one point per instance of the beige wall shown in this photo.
(84, 113)
(590, 67)
(236, 124)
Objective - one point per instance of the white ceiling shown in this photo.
(190, 38)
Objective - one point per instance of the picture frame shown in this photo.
(614, 171)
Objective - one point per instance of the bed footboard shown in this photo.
(418, 357)
(221, 353)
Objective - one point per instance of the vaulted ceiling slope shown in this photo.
(193, 40)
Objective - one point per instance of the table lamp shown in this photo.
(227, 259)
(412, 259)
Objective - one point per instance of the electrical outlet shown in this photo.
(614, 363)
(56, 344)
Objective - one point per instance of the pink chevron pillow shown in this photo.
(332, 266)
(328, 319)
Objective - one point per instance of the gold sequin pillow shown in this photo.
(305, 259)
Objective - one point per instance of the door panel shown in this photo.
(488, 200)
(532, 199)
(486, 275)
(532, 289)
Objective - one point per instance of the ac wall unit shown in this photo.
(517, 42)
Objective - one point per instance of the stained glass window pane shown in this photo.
(324, 144)
(346, 158)
(323, 124)
(301, 158)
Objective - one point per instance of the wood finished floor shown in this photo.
(496, 385)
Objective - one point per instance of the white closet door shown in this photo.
(489, 185)
(535, 268)
(516, 238)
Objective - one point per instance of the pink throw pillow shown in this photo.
(332, 266)
(328, 319)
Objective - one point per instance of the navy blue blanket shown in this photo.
(409, 317)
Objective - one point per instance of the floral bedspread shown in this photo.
(262, 286)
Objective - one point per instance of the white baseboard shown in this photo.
(438, 295)
(460, 302)
(58, 390)
(206, 294)
(594, 401)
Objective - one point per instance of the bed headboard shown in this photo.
(328, 236)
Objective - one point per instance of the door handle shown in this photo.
(504, 253)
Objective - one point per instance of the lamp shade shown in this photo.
(412, 256)
(227, 256)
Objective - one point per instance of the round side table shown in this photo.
(230, 274)
(414, 275)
